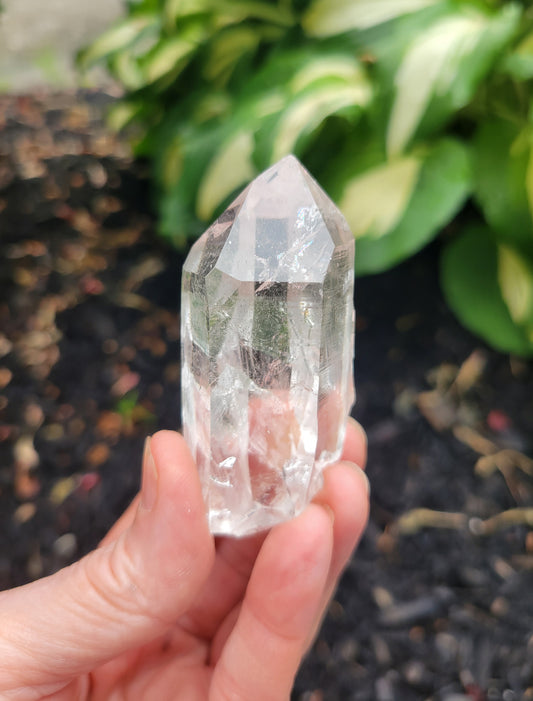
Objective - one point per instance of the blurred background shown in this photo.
(39, 48)
(125, 128)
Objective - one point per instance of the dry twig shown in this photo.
(505, 519)
(412, 522)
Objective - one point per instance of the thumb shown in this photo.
(119, 596)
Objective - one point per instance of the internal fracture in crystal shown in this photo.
(267, 349)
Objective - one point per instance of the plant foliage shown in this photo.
(403, 109)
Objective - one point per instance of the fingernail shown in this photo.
(150, 478)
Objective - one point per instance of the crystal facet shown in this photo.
(267, 349)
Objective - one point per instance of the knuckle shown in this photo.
(116, 581)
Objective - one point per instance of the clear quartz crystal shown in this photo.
(267, 349)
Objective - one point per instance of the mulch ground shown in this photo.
(438, 601)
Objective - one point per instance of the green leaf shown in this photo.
(469, 276)
(141, 6)
(515, 275)
(184, 153)
(172, 162)
(124, 65)
(123, 113)
(375, 201)
(121, 37)
(317, 101)
(329, 17)
(336, 66)
(502, 179)
(212, 106)
(231, 168)
(168, 59)
(443, 67)
(529, 181)
(436, 182)
(227, 49)
(178, 9)
(296, 92)
(240, 10)
(519, 63)
(284, 105)
(230, 11)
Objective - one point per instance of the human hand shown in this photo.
(161, 610)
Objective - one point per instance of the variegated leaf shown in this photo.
(330, 17)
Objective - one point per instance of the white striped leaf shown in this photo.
(375, 201)
(446, 64)
(515, 276)
(120, 37)
(330, 17)
(230, 168)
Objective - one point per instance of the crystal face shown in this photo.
(267, 349)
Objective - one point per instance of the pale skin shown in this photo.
(161, 610)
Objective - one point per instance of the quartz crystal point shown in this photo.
(267, 349)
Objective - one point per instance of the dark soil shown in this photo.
(438, 601)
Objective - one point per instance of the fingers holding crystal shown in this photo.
(278, 614)
(234, 562)
(121, 595)
(355, 443)
(346, 493)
